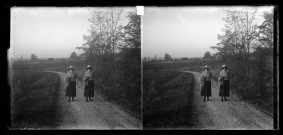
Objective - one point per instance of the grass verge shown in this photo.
(168, 100)
(34, 98)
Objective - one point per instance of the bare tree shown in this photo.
(106, 32)
(239, 34)
(132, 34)
(266, 31)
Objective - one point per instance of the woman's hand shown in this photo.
(85, 79)
(86, 83)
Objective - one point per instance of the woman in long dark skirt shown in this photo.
(205, 82)
(89, 83)
(70, 84)
(224, 83)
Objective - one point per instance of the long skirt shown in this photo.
(89, 89)
(206, 89)
(224, 89)
(71, 89)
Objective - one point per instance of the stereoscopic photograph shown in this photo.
(208, 67)
(75, 68)
(143, 68)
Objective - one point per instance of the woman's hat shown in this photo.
(88, 67)
(224, 66)
(71, 67)
(206, 67)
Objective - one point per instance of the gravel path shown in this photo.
(97, 114)
(232, 114)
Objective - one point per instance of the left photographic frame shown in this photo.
(75, 68)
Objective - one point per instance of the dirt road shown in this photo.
(232, 114)
(97, 114)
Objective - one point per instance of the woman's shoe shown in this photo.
(90, 99)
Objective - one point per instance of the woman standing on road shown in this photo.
(70, 83)
(224, 83)
(89, 83)
(205, 82)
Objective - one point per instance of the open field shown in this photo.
(123, 91)
(167, 99)
(258, 91)
(33, 99)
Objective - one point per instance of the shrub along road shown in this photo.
(97, 114)
(232, 114)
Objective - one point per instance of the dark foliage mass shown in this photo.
(114, 50)
(247, 49)
(167, 99)
(34, 99)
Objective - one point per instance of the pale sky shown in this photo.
(56, 32)
(49, 32)
(182, 31)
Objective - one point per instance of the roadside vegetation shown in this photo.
(167, 99)
(34, 99)
(113, 49)
(246, 47)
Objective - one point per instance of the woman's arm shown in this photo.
(67, 79)
(85, 77)
(201, 80)
(220, 78)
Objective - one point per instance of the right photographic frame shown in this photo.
(209, 67)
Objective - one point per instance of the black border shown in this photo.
(276, 69)
(83, 3)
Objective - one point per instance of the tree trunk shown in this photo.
(101, 49)
(113, 46)
(102, 64)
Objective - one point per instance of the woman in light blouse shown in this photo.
(205, 82)
(89, 83)
(224, 83)
(70, 84)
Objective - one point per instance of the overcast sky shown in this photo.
(49, 32)
(56, 32)
(182, 31)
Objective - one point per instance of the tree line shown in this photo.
(109, 40)
(247, 47)
(113, 48)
